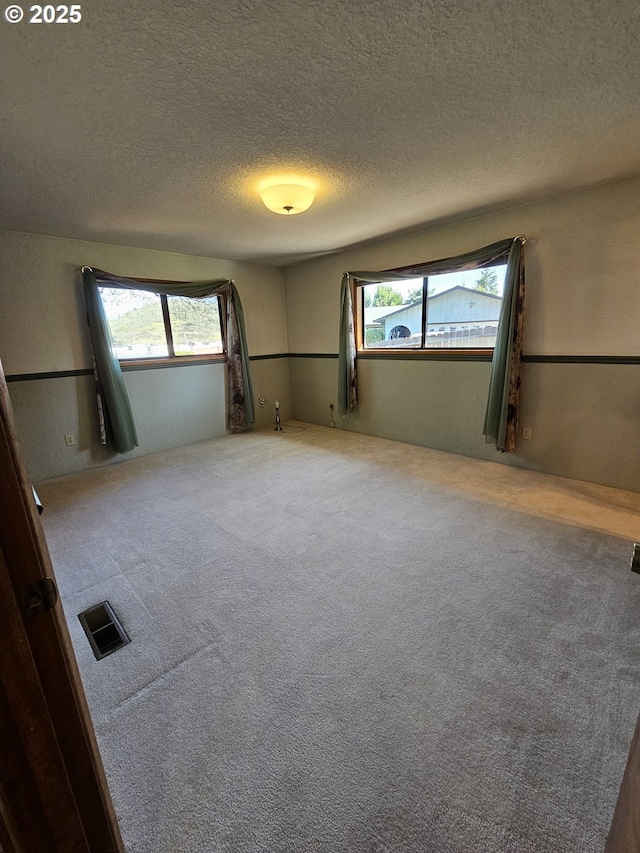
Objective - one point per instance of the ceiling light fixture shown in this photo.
(288, 198)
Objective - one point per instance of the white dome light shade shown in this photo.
(288, 198)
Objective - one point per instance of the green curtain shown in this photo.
(241, 412)
(501, 417)
(117, 426)
(347, 374)
(502, 405)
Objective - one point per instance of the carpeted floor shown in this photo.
(342, 644)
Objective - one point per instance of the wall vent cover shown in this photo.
(103, 629)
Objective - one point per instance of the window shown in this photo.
(148, 325)
(458, 310)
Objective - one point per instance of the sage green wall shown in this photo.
(43, 329)
(582, 298)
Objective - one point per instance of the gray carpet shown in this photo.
(333, 651)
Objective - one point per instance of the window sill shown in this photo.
(127, 364)
(452, 354)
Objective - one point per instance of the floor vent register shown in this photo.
(103, 629)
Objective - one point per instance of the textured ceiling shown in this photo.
(149, 125)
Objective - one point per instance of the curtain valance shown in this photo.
(469, 261)
(192, 289)
(500, 425)
(117, 427)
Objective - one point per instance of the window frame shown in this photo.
(172, 359)
(422, 351)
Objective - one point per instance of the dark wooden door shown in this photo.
(624, 836)
(53, 791)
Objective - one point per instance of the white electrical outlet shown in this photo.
(526, 433)
(70, 440)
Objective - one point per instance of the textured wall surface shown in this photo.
(582, 269)
(42, 322)
(582, 299)
(584, 417)
(171, 408)
(43, 330)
